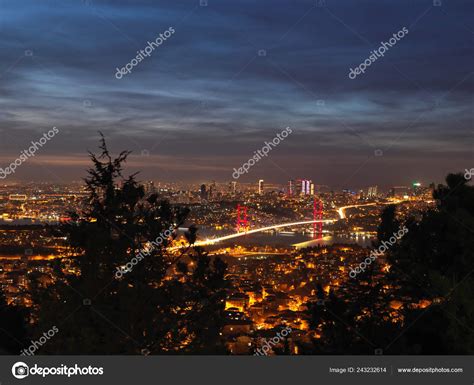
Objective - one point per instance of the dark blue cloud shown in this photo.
(233, 75)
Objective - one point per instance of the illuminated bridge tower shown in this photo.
(242, 219)
(317, 215)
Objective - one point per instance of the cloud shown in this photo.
(205, 97)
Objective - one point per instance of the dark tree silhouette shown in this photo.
(435, 263)
(389, 224)
(13, 332)
(167, 302)
(431, 275)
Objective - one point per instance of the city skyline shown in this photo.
(225, 186)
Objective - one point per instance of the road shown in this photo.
(342, 214)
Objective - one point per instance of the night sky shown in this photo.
(233, 75)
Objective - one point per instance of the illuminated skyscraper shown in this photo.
(260, 187)
(417, 188)
(305, 186)
(300, 187)
(291, 187)
(233, 187)
(372, 192)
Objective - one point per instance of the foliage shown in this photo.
(167, 303)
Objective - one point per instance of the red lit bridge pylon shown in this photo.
(242, 219)
(317, 215)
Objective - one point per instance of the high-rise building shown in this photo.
(300, 187)
(372, 192)
(212, 190)
(260, 187)
(305, 186)
(233, 187)
(291, 187)
(203, 192)
(417, 188)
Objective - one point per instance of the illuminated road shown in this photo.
(237, 235)
(341, 210)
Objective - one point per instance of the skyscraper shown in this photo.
(417, 188)
(233, 187)
(300, 187)
(212, 191)
(372, 192)
(305, 186)
(291, 187)
(260, 187)
(203, 192)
